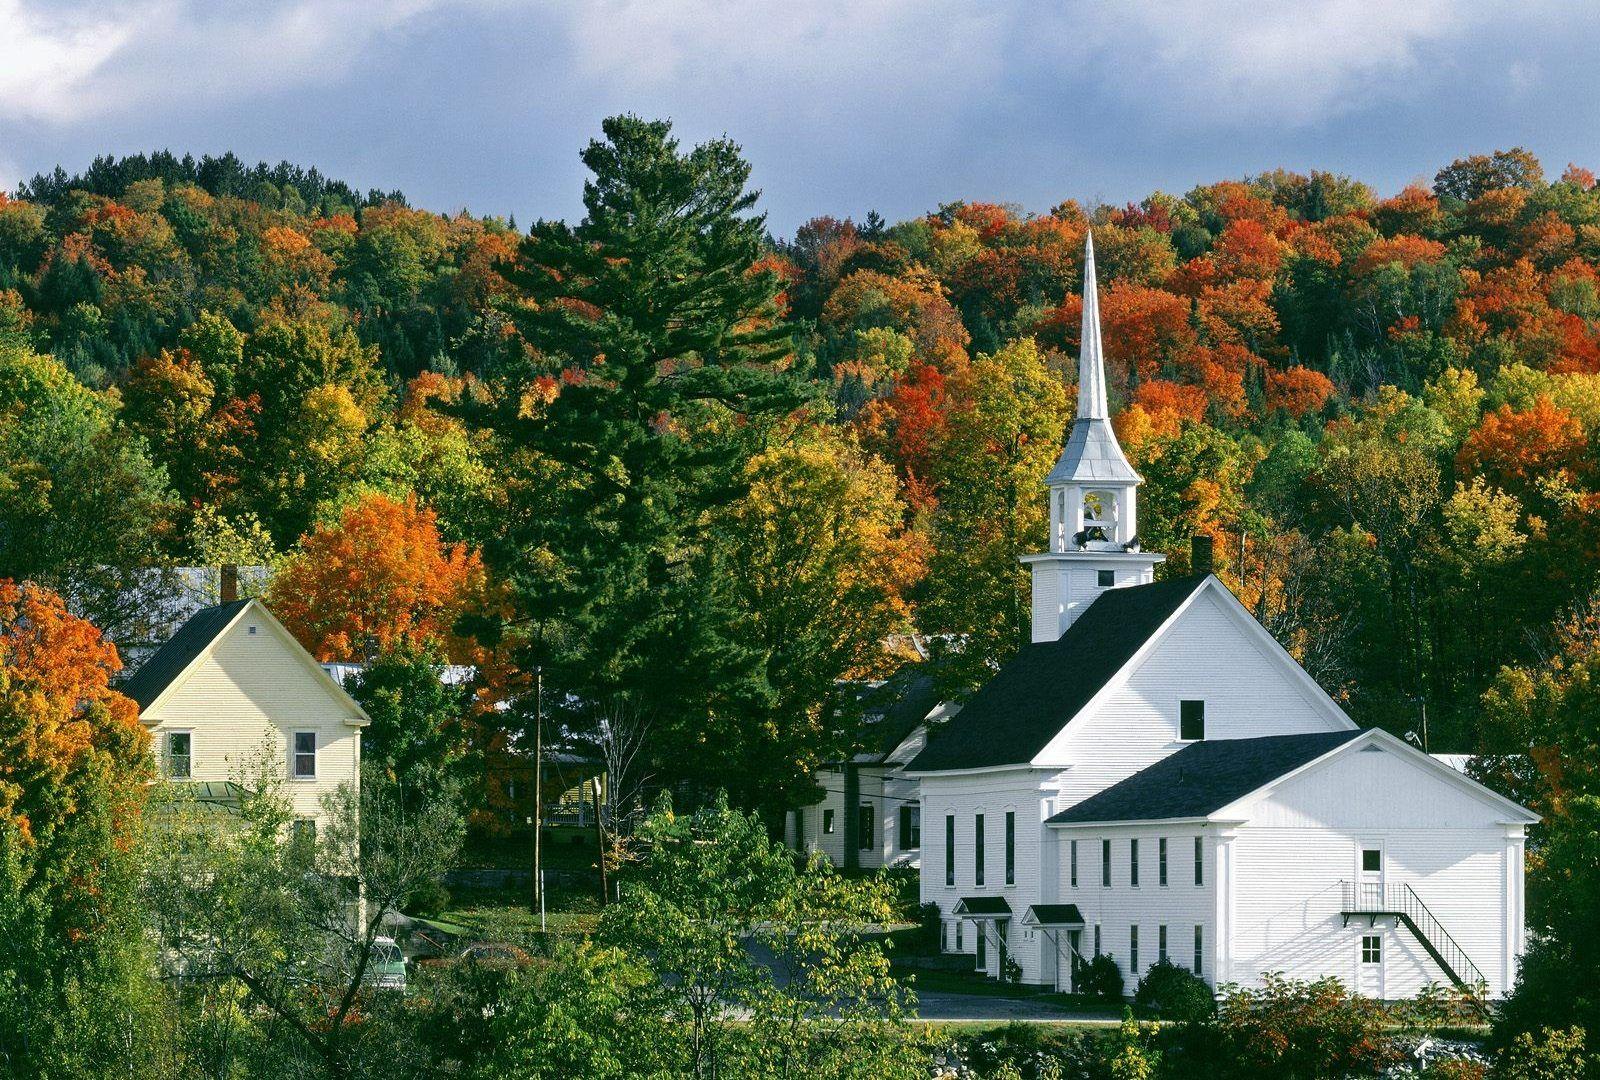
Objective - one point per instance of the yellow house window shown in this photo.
(179, 755)
(303, 765)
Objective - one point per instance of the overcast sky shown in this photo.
(842, 107)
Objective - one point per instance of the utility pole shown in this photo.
(600, 836)
(537, 895)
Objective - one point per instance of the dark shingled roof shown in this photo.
(1029, 701)
(893, 709)
(982, 905)
(1055, 915)
(1203, 778)
(169, 661)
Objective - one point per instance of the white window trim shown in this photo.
(316, 751)
(166, 753)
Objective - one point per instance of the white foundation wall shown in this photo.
(1303, 840)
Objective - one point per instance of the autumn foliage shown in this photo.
(379, 577)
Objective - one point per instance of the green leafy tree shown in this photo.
(418, 737)
(1004, 434)
(761, 967)
(83, 509)
(271, 931)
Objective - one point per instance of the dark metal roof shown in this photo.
(1055, 915)
(982, 905)
(1203, 778)
(169, 661)
(1029, 700)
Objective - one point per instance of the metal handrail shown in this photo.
(1362, 898)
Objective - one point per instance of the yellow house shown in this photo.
(231, 690)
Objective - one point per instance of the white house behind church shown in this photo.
(1155, 777)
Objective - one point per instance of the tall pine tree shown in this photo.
(661, 364)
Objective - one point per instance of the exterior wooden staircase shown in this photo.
(1400, 902)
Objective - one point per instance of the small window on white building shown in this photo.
(1161, 861)
(1097, 939)
(1133, 862)
(180, 758)
(1199, 860)
(1199, 946)
(1133, 948)
(1372, 948)
(1161, 943)
(827, 821)
(1105, 578)
(864, 815)
(1105, 864)
(961, 945)
(1073, 863)
(910, 827)
(1371, 860)
(1191, 720)
(1011, 848)
(304, 763)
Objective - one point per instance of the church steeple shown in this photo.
(1093, 491)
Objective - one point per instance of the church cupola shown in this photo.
(1093, 491)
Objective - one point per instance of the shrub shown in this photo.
(428, 900)
(1175, 993)
(1101, 978)
(1551, 1055)
(1302, 1030)
(1033, 1052)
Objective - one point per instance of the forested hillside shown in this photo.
(698, 508)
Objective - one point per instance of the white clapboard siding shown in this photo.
(1305, 837)
(993, 793)
(1180, 905)
(242, 702)
(1209, 654)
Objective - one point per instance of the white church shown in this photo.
(1154, 777)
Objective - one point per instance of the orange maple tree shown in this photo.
(381, 576)
(74, 763)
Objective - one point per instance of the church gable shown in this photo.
(1213, 654)
(1380, 784)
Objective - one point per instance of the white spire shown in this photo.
(1091, 357)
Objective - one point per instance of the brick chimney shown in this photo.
(228, 583)
(1202, 554)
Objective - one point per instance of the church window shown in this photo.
(977, 849)
(1133, 862)
(1133, 948)
(1199, 861)
(1073, 857)
(1011, 848)
(1191, 720)
(950, 851)
(1161, 943)
(1105, 578)
(1372, 949)
(1105, 863)
(864, 815)
(827, 821)
(1199, 946)
(1161, 861)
